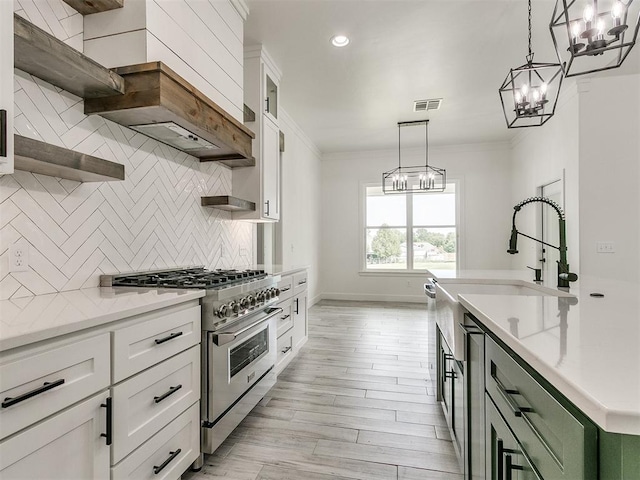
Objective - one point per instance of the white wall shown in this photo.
(610, 176)
(486, 206)
(299, 228)
(541, 155)
(202, 40)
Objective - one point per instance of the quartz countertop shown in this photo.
(587, 347)
(41, 317)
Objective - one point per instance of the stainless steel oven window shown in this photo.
(248, 352)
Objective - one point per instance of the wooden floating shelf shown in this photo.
(38, 157)
(46, 57)
(87, 7)
(155, 94)
(231, 204)
(233, 161)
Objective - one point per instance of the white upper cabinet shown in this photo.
(261, 184)
(6, 87)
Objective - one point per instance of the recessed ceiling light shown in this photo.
(340, 40)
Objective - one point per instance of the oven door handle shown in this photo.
(226, 337)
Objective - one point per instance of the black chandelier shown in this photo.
(418, 178)
(594, 36)
(529, 93)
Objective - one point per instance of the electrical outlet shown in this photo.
(19, 257)
(605, 247)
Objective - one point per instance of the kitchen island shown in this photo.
(582, 350)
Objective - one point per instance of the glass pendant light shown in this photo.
(592, 35)
(529, 93)
(418, 178)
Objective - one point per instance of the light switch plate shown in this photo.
(605, 247)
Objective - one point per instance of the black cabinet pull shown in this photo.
(286, 349)
(109, 406)
(282, 290)
(500, 452)
(302, 282)
(297, 311)
(285, 317)
(267, 212)
(507, 392)
(9, 401)
(3, 133)
(171, 391)
(172, 455)
(166, 339)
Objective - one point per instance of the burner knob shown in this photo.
(268, 295)
(235, 306)
(252, 300)
(223, 311)
(277, 292)
(244, 303)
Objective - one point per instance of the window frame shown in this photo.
(409, 227)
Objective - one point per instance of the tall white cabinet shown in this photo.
(261, 184)
(6, 86)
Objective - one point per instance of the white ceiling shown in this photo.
(351, 98)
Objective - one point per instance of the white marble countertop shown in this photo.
(593, 357)
(31, 319)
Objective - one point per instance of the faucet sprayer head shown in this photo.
(513, 242)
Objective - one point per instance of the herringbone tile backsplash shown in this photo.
(77, 231)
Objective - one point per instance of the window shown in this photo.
(410, 232)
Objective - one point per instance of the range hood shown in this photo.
(159, 103)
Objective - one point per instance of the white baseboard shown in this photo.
(314, 300)
(369, 297)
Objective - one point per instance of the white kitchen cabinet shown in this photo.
(6, 86)
(292, 322)
(261, 184)
(299, 309)
(66, 446)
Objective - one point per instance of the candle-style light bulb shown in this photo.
(536, 96)
(543, 88)
(587, 13)
(616, 10)
(600, 27)
(518, 97)
(575, 30)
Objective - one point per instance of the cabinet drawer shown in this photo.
(144, 344)
(286, 287)
(299, 282)
(285, 319)
(559, 445)
(65, 446)
(285, 346)
(181, 435)
(147, 402)
(55, 377)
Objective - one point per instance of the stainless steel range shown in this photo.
(238, 339)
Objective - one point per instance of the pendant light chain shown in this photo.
(530, 56)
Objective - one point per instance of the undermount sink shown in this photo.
(450, 314)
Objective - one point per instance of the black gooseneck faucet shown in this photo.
(564, 275)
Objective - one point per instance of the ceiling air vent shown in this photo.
(426, 105)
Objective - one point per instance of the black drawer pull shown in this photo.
(286, 349)
(451, 374)
(285, 317)
(171, 391)
(166, 339)
(509, 467)
(109, 406)
(302, 282)
(9, 401)
(282, 290)
(506, 394)
(3, 133)
(172, 455)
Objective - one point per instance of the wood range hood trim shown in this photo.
(154, 93)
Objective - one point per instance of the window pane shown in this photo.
(385, 210)
(435, 208)
(434, 248)
(386, 248)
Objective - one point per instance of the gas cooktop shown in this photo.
(196, 277)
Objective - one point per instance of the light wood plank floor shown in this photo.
(357, 403)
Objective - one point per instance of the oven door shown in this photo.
(238, 358)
